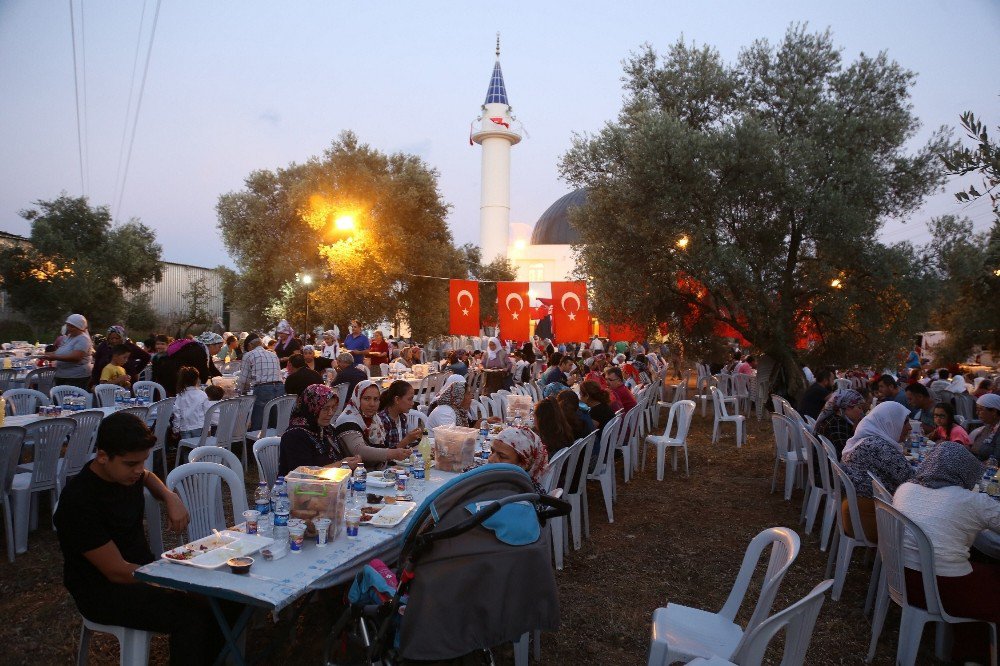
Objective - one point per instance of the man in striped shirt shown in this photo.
(260, 371)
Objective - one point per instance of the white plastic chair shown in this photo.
(576, 490)
(156, 391)
(48, 436)
(798, 621)
(81, 444)
(681, 633)
(843, 546)
(682, 412)
(891, 527)
(199, 486)
(133, 643)
(239, 435)
(22, 401)
(477, 411)
(104, 394)
(679, 393)
(627, 441)
(816, 465)
(829, 452)
(11, 440)
(40, 379)
(722, 415)
(265, 452)
(58, 394)
(154, 524)
(785, 453)
(161, 411)
(227, 410)
(217, 454)
(604, 472)
(416, 418)
(550, 482)
(281, 408)
(383, 369)
(140, 412)
(341, 390)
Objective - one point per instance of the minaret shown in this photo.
(496, 135)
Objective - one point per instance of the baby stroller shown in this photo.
(474, 572)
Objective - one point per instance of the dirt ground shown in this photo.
(680, 540)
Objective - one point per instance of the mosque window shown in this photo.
(536, 273)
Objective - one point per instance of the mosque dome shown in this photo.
(553, 227)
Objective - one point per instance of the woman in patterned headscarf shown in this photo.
(137, 358)
(938, 500)
(360, 433)
(522, 447)
(843, 409)
(288, 344)
(310, 440)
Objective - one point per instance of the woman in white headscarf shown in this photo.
(359, 433)
(958, 385)
(986, 438)
(496, 356)
(875, 447)
(288, 344)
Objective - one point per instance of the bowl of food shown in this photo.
(240, 565)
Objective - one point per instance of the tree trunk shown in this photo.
(786, 377)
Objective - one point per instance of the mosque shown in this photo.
(540, 254)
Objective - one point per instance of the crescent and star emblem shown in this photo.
(562, 303)
(458, 298)
(520, 303)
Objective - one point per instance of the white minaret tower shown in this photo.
(496, 135)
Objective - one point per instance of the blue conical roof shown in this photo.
(497, 92)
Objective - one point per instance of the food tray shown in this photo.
(390, 515)
(218, 549)
(377, 480)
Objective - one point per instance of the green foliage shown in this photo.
(19, 330)
(195, 314)
(139, 315)
(984, 159)
(283, 224)
(78, 262)
(778, 170)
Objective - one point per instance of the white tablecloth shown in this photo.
(25, 419)
(278, 583)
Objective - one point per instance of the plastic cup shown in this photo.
(322, 526)
(401, 480)
(353, 520)
(296, 536)
(250, 517)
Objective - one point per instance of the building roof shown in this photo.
(553, 227)
(497, 92)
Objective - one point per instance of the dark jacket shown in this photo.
(138, 358)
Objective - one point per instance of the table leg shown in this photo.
(231, 635)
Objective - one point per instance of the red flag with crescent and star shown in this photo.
(464, 307)
(570, 316)
(513, 310)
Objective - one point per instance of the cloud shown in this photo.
(270, 117)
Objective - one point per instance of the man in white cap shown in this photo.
(75, 356)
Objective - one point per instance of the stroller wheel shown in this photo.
(349, 643)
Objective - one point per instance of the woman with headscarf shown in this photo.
(360, 433)
(843, 409)
(522, 447)
(195, 353)
(138, 357)
(310, 440)
(641, 369)
(956, 386)
(451, 407)
(496, 367)
(939, 501)
(875, 447)
(986, 438)
(74, 355)
(288, 344)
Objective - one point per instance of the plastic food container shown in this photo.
(319, 492)
(454, 447)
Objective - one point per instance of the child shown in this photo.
(190, 405)
(114, 372)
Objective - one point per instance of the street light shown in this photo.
(344, 223)
(306, 279)
(836, 283)
(683, 242)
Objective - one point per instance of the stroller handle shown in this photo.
(556, 507)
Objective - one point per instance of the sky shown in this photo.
(232, 87)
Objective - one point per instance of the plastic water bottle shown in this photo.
(279, 486)
(360, 480)
(282, 509)
(262, 498)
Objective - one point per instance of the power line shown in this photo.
(76, 91)
(138, 106)
(128, 107)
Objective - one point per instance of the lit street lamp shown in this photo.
(305, 279)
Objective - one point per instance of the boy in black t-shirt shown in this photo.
(99, 523)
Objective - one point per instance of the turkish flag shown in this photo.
(464, 307)
(570, 316)
(512, 308)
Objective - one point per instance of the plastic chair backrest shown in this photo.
(11, 441)
(81, 444)
(843, 488)
(198, 485)
(59, 393)
(819, 459)
(782, 439)
(584, 446)
(609, 437)
(416, 418)
(718, 403)
(477, 410)
(22, 402)
(7, 378)
(879, 490)
(784, 549)
(891, 527)
(242, 423)
(283, 404)
(163, 409)
(423, 393)
(153, 523)
(49, 435)
(550, 481)
(217, 454)
(140, 412)
(105, 394)
(156, 391)
(680, 393)
(40, 379)
(683, 412)
(383, 368)
(628, 429)
(342, 394)
(228, 411)
(265, 452)
(778, 403)
(831, 451)
(800, 620)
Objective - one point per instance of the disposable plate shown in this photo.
(391, 515)
(217, 549)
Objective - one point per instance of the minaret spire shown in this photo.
(498, 45)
